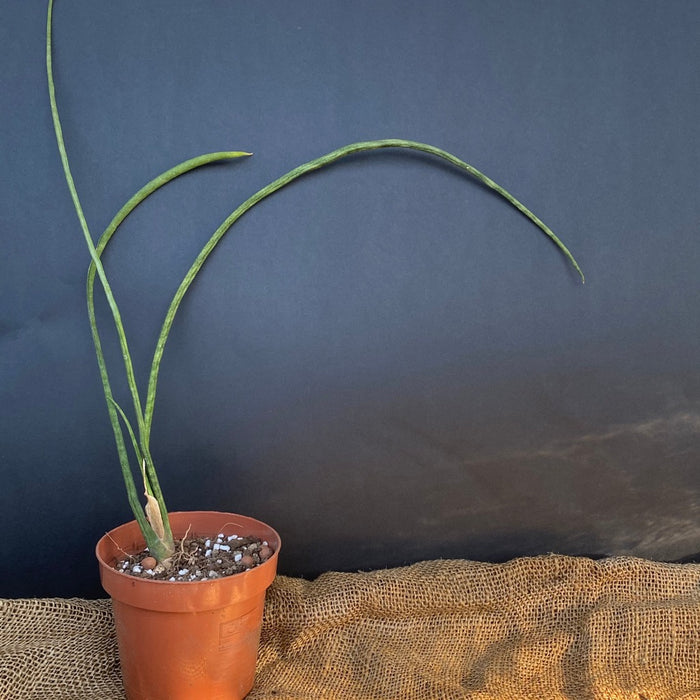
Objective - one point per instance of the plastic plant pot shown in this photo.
(188, 640)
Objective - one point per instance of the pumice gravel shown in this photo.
(200, 559)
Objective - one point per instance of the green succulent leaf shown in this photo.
(160, 539)
(285, 180)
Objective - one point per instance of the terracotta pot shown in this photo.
(188, 640)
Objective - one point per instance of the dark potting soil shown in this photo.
(200, 559)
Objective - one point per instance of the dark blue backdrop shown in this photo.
(384, 361)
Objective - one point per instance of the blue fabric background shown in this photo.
(384, 361)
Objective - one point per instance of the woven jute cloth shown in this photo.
(539, 628)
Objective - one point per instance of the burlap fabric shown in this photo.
(535, 628)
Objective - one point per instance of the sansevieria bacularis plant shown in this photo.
(152, 516)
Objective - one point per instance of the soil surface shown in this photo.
(200, 559)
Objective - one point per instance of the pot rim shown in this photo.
(186, 595)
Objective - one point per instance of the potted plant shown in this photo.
(188, 588)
